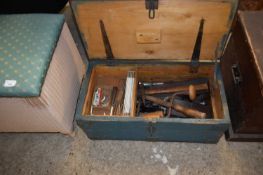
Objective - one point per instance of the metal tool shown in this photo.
(170, 108)
(142, 93)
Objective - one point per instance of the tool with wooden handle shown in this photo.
(175, 89)
(187, 111)
(192, 92)
(153, 115)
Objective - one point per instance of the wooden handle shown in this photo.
(175, 89)
(192, 92)
(153, 115)
(185, 110)
(189, 111)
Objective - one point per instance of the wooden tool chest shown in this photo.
(242, 74)
(153, 69)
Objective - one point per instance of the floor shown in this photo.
(59, 154)
(77, 155)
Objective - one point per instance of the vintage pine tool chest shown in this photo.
(153, 69)
(242, 74)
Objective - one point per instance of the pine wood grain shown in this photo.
(177, 20)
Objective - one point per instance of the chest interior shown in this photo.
(124, 30)
(160, 82)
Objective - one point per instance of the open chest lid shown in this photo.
(153, 29)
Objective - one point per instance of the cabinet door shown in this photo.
(242, 84)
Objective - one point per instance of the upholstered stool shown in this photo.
(40, 74)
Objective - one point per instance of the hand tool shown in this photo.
(142, 93)
(153, 115)
(192, 92)
(170, 108)
(202, 108)
(118, 101)
(175, 89)
(113, 100)
(187, 111)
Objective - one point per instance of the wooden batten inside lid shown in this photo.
(170, 35)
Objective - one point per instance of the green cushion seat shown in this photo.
(27, 43)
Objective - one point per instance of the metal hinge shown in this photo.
(106, 41)
(194, 65)
(151, 5)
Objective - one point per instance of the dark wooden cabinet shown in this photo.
(242, 72)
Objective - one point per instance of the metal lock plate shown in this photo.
(236, 74)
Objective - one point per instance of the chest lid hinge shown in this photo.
(194, 65)
(106, 41)
(151, 5)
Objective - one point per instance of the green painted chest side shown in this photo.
(26, 48)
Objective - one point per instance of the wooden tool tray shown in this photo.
(159, 45)
(105, 76)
